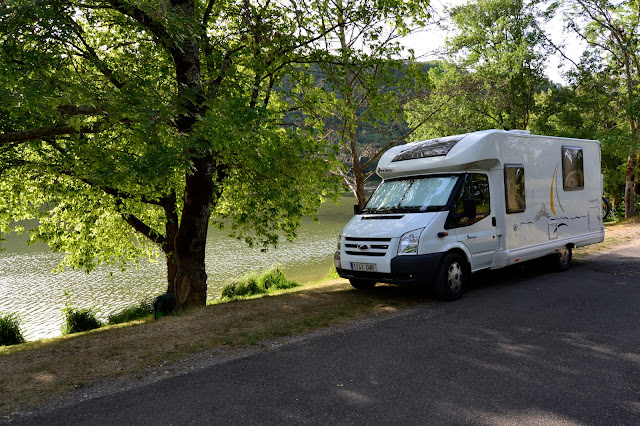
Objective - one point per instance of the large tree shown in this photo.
(612, 31)
(372, 76)
(128, 126)
(494, 65)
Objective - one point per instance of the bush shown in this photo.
(131, 313)
(274, 278)
(10, 333)
(254, 283)
(77, 320)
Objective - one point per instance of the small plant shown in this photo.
(10, 333)
(331, 275)
(274, 278)
(131, 313)
(254, 283)
(77, 320)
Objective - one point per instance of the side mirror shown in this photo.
(469, 208)
(356, 209)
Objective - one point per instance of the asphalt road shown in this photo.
(522, 347)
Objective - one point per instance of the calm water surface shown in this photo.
(29, 288)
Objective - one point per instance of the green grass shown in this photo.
(132, 313)
(10, 333)
(254, 283)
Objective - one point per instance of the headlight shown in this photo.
(409, 242)
(339, 241)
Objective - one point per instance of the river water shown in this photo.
(29, 288)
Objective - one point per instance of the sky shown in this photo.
(426, 42)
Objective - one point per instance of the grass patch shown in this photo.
(10, 333)
(132, 313)
(254, 283)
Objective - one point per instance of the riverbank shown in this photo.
(36, 373)
(30, 289)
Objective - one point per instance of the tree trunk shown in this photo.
(190, 282)
(637, 184)
(360, 194)
(168, 248)
(629, 198)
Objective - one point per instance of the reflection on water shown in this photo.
(29, 288)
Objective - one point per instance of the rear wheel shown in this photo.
(561, 261)
(362, 284)
(452, 277)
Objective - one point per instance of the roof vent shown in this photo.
(519, 132)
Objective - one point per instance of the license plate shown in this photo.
(367, 267)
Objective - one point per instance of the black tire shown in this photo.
(606, 208)
(561, 261)
(452, 277)
(362, 284)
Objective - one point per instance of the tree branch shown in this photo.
(46, 132)
(141, 227)
(142, 18)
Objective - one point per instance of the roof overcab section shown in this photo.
(429, 148)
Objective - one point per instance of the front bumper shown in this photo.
(414, 270)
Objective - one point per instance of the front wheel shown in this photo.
(561, 261)
(362, 284)
(452, 277)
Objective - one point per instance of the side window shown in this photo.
(572, 168)
(481, 195)
(514, 188)
(476, 187)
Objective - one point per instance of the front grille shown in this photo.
(366, 253)
(374, 247)
(367, 239)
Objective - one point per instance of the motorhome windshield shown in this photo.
(412, 195)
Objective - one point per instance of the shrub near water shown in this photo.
(10, 333)
(254, 283)
(131, 313)
(77, 320)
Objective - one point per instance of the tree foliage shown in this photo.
(130, 126)
(361, 66)
(493, 68)
(612, 31)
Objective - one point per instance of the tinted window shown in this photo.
(514, 188)
(476, 187)
(572, 168)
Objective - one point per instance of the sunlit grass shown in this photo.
(255, 283)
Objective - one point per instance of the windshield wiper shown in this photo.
(391, 209)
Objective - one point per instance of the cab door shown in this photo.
(476, 230)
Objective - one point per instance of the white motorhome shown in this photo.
(451, 206)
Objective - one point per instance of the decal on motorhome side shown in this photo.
(554, 181)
